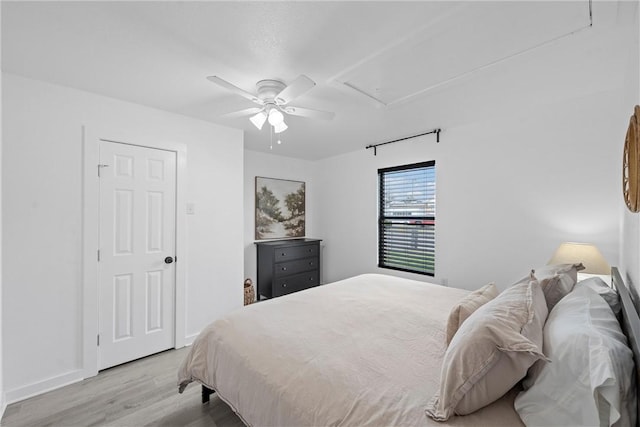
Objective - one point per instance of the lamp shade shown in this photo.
(275, 117)
(585, 253)
(259, 119)
(280, 127)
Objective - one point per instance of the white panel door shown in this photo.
(136, 272)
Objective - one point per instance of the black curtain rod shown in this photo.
(375, 146)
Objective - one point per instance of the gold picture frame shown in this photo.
(631, 163)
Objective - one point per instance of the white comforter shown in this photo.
(362, 351)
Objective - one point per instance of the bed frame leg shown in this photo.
(206, 392)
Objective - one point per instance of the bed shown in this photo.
(367, 350)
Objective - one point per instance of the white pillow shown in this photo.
(609, 294)
(589, 381)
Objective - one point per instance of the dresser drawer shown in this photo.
(298, 282)
(297, 266)
(286, 253)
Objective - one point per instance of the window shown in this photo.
(407, 218)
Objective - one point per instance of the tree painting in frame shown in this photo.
(280, 206)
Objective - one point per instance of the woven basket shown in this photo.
(249, 293)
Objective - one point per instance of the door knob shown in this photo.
(168, 260)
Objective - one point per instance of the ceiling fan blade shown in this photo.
(241, 113)
(307, 112)
(294, 90)
(235, 89)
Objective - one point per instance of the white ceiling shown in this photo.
(387, 69)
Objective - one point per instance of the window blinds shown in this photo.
(407, 202)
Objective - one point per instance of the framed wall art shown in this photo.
(631, 163)
(280, 208)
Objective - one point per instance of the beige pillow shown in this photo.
(556, 281)
(491, 351)
(470, 303)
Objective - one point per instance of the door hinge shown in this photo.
(98, 340)
(98, 254)
(100, 167)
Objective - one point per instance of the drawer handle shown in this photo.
(310, 262)
(309, 250)
(284, 268)
(284, 285)
(311, 279)
(284, 254)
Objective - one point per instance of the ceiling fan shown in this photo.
(273, 98)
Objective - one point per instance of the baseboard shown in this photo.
(189, 339)
(34, 389)
(3, 404)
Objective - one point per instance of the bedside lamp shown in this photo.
(586, 253)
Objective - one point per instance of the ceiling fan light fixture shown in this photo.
(280, 127)
(259, 119)
(275, 117)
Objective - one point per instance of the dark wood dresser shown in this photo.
(286, 266)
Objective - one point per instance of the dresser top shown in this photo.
(286, 242)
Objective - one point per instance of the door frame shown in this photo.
(91, 137)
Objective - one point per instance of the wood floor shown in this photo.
(140, 393)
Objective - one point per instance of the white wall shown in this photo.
(526, 161)
(509, 191)
(630, 230)
(42, 205)
(3, 403)
(274, 166)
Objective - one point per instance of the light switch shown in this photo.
(191, 208)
